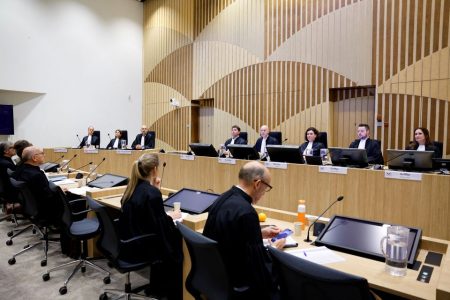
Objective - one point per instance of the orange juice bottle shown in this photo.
(301, 213)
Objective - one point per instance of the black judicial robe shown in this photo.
(234, 224)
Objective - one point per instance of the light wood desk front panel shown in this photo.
(368, 195)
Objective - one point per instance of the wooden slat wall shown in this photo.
(411, 69)
(274, 61)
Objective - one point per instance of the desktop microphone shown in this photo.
(162, 173)
(89, 163)
(340, 198)
(90, 173)
(54, 162)
(67, 162)
(285, 140)
(397, 156)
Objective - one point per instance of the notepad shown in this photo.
(319, 255)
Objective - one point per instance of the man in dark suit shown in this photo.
(38, 183)
(6, 152)
(373, 147)
(265, 139)
(235, 138)
(143, 140)
(90, 139)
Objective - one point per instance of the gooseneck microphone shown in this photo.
(67, 162)
(89, 163)
(284, 141)
(54, 162)
(162, 173)
(340, 198)
(90, 173)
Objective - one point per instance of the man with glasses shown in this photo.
(143, 140)
(234, 224)
(38, 183)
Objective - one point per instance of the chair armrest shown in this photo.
(81, 212)
(139, 238)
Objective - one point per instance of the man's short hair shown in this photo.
(20, 145)
(237, 127)
(251, 171)
(364, 125)
(4, 146)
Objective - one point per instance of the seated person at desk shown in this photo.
(422, 142)
(311, 147)
(235, 139)
(265, 139)
(6, 152)
(373, 147)
(234, 224)
(19, 146)
(143, 213)
(143, 140)
(37, 182)
(90, 139)
(116, 142)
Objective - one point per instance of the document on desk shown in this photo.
(319, 255)
(63, 181)
(81, 191)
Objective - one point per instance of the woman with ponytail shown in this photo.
(143, 213)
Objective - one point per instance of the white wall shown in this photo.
(84, 56)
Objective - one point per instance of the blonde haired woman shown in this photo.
(143, 213)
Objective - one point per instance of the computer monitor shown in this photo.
(243, 152)
(285, 153)
(192, 201)
(351, 157)
(441, 163)
(203, 149)
(410, 160)
(108, 180)
(362, 237)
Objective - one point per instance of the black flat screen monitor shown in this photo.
(349, 157)
(6, 119)
(410, 160)
(192, 201)
(49, 167)
(108, 180)
(203, 149)
(243, 152)
(441, 163)
(285, 153)
(314, 160)
(362, 237)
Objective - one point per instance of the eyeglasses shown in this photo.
(268, 188)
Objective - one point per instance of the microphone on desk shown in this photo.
(54, 162)
(340, 198)
(399, 155)
(67, 162)
(285, 140)
(79, 175)
(90, 173)
(162, 173)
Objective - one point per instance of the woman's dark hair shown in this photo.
(313, 129)
(20, 145)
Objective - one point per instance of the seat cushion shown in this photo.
(84, 228)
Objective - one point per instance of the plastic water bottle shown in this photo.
(301, 213)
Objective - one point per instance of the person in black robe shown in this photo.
(6, 152)
(422, 142)
(143, 213)
(234, 224)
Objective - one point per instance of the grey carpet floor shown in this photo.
(23, 280)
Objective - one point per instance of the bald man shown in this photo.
(90, 139)
(38, 183)
(234, 224)
(264, 140)
(143, 140)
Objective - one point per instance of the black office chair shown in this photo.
(277, 135)
(39, 223)
(301, 279)
(97, 134)
(322, 138)
(110, 245)
(440, 146)
(81, 230)
(208, 276)
(153, 137)
(244, 135)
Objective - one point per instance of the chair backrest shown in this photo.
(208, 275)
(440, 146)
(277, 135)
(109, 240)
(244, 135)
(322, 138)
(25, 197)
(125, 135)
(301, 279)
(153, 137)
(97, 134)
(66, 217)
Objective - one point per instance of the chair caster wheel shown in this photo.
(11, 261)
(110, 264)
(26, 246)
(46, 277)
(83, 269)
(9, 242)
(10, 234)
(43, 263)
(107, 280)
(63, 290)
(103, 296)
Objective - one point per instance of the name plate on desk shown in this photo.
(227, 160)
(60, 150)
(123, 151)
(275, 165)
(187, 157)
(90, 151)
(403, 175)
(333, 170)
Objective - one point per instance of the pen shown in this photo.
(304, 253)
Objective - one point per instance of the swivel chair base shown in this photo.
(128, 293)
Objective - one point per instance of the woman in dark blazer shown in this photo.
(115, 143)
(311, 147)
(143, 213)
(422, 142)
